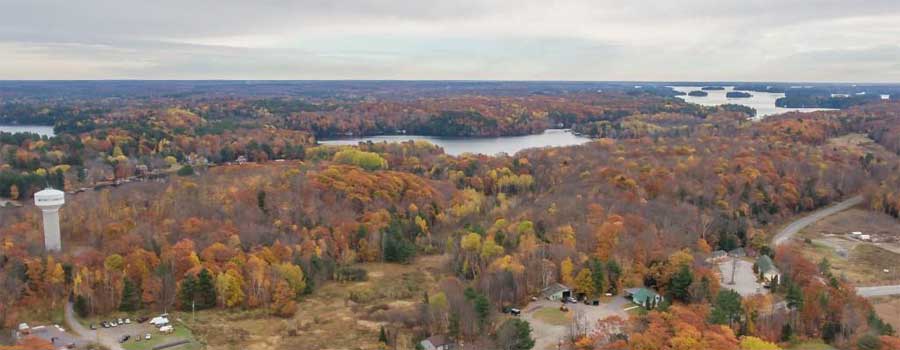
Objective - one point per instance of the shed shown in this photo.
(437, 342)
(556, 291)
(644, 297)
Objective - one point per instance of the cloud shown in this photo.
(462, 39)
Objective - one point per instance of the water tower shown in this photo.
(50, 200)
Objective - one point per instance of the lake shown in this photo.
(484, 145)
(42, 130)
(763, 102)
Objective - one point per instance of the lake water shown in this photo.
(484, 145)
(42, 130)
(763, 102)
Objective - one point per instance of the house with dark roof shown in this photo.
(644, 297)
(556, 291)
(767, 271)
(437, 342)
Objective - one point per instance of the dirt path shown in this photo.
(87, 334)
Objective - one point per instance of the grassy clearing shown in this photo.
(810, 346)
(336, 316)
(180, 333)
(888, 308)
(553, 316)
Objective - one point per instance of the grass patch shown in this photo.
(181, 333)
(554, 316)
(811, 346)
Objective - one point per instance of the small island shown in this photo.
(711, 88)
(738, 94)
(698, 93)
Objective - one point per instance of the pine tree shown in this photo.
(382, 336)
(597, 275)
(205, 291)
(680, 284)
(131, 297)
(187, 291)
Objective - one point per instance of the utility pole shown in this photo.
(192, 311)
(733, 268)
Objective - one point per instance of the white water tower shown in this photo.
(50, 200)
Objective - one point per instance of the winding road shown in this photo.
(790, 230)
(90, 335)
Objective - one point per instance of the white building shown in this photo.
(50, 200)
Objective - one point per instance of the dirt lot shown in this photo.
(888, 308)
(549, 325)
(862, 263)
(744, 279)
(328, 319)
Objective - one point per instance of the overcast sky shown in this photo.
(751, 40)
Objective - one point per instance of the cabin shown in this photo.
(767, 271)
(644, 297)
(717, 257)
(556, 292)
(437, 342)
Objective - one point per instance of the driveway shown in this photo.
(547, 336)
(101, 336)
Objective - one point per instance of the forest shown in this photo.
(266, 216)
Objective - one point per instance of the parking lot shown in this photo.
(547, 334)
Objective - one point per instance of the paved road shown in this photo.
(89, 335)
(790, 230)
(879, 291)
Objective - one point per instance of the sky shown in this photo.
(641, 40)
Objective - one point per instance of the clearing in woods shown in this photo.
(862, 263)
(888, 308)
(335, 316)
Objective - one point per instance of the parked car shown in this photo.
(127, 321)
(147, 336)
(93, 326)
(571, 300)
(104, 324)
(515, 312)
(143, 319)
(119, 321)
(124, 338)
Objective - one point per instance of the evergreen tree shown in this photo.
(727, 308)
(613, 272)
(515, 334)
(205, 291)
(680, 284)
(382, 336)
(794, 297)
(597, 275)
(81, 306)
(187, 292)
(131, 296)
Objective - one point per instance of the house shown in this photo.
(766, 269)
(717, 257)
(437, 342)
(159, 321)
(644, 297)
(556, 291)
(865, 237)
(737, 253)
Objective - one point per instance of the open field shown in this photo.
(329, 318)
(811, 346)
(888, 308)
(861, 263)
